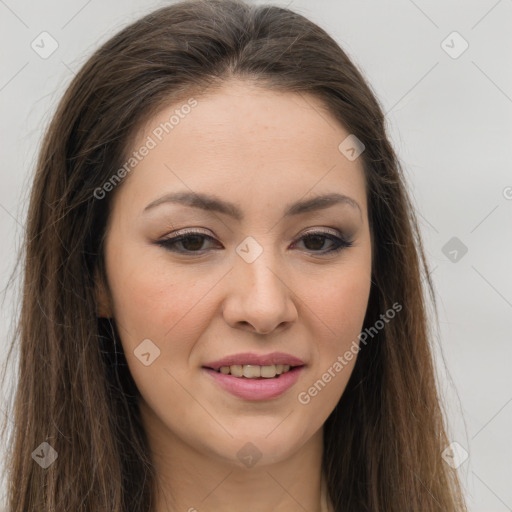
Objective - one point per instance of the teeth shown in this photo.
(269, 371)
(236, 370)
(251, 371)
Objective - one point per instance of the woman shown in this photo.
(222, 303)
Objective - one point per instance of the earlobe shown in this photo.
(103, 301)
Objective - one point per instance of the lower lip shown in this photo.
(256, 389)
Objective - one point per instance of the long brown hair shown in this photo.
(384, 439)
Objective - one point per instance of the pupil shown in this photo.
(192, 246)
(314, 237)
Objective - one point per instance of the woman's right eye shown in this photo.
(191, 242)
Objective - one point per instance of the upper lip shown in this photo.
(256, 359)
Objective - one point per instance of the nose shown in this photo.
(258, 298)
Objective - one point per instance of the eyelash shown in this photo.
(340, 242)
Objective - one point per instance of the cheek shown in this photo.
(339, 305)
(337, 310)
(153, 302)
(151, 299)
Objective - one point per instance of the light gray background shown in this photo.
(450, 120)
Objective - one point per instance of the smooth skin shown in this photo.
(261, 150)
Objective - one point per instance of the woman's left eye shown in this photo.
(318, 238)
(192, 242)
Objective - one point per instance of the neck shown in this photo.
(192, 479)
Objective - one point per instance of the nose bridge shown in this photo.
(258, 266)
(259, 295)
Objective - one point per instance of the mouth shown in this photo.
(252, 371)
(255, 377)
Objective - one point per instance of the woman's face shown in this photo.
(259, 275)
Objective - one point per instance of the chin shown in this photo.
(246, 450)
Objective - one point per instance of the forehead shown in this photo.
(243, 116)
(246, 137)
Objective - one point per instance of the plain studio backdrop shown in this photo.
(443, 74)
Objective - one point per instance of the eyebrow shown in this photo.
(212, 203)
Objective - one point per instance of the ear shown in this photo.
(103, 300)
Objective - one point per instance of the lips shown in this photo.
(250, 358)
(255, 389)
